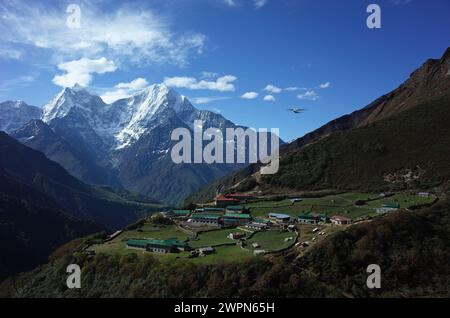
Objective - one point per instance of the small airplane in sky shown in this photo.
(296, 110)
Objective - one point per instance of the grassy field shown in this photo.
(149, 231)
(342, 204)
(213, 238)
(232, 253)
(271, 240)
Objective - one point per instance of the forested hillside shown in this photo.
(412, 248)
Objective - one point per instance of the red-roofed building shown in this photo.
(223, 201)
(240, 196)
(340, 220)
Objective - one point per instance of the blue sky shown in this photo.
(313, 54)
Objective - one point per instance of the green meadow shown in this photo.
(341, 204)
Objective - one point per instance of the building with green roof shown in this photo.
(307, 219)
(214, 210)
(179, 213)
(388, 207)
(236, 219)
(159, 246)
(237, 215)
(206, 219)
(234, 209)
(391, 205)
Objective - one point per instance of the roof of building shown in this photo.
(391, 205)
(237, 216)
(238, 195)
(224, 198)
(340, 218)
(181, 212)
(167, 243)
(206, 249)
(206, 216)
(279, 215)
(140, 243)
(307, 217)
(256, 224)
(235, 207)
(213, 209)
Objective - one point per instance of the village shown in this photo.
(237, 226)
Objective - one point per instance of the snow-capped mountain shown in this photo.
(123, 122)
(127, 143)
(14, 114)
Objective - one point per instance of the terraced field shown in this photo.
(213, 238)
(226, 249)
(271, 240)
(342, 204)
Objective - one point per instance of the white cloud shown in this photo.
(136, 84)
(260, 3)
(309, 95)
(234, 3)
(8, 53)
(231, 3)
(221, 84)
(112, 96)
(269, 98)
(250, 95)
(295, 88)
(272, 89)
(132, 35)
(80, 71)
(124, 90)
(206, 100)
(209, 75)
(325, 85)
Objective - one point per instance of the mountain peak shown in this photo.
(76, 96)
(158, 91)
(160, 87)
(14, 103)
(159, 96)
(77, 87)
(14, 114)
